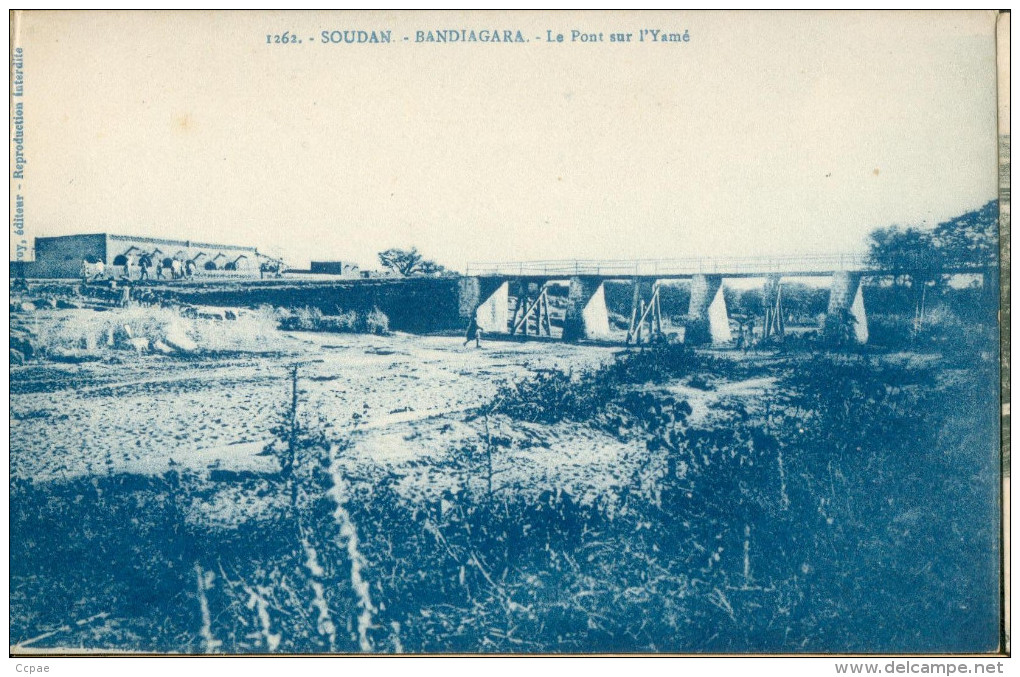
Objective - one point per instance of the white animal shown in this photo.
(93, 271)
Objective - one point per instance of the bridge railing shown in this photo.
(745, 265)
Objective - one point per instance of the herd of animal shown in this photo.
(165, 269)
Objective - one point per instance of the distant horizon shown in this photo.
(863, 249)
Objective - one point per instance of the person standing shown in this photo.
(749, 335)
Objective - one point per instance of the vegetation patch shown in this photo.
(351, 322)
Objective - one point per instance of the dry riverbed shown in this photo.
(402, 401)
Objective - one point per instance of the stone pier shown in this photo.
(846, 304)
(707, 319)
(586, 316)
(487, 299)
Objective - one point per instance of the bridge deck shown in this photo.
(664, 269)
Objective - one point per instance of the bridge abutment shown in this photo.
(846, 307)
(707, 318)
(487, 299)
(586, 316)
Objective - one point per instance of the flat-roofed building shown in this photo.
(345, 268)
(62, 256)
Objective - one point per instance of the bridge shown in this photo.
(487, 288)
(683, 268)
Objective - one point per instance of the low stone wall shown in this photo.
(414, 305)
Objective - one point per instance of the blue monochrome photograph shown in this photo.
(517, 333)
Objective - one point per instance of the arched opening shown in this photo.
(210, 265)
(120, 260)
(168, 262)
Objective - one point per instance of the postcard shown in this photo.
(508, 333)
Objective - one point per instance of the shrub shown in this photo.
(348, 322)
(97, 333)
(376, 322)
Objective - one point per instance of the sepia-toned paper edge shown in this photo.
(1002, 33)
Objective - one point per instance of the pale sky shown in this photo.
(766, 133)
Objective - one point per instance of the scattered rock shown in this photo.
(73, 356)
(68, 305)
(17, 357)
(161, 347)
(121, 337)
(211, 315)
(26, 307)
(229, 314)
(179, 341)
(140, 344)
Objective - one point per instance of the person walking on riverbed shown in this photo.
(474, 333)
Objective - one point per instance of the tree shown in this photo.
(431, 269)
(903, 251)
(801, 300)
(409, 262)
(969, 239)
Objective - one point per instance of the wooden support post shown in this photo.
(521, 291)
(780, 314)
(540, 313)
(658, 311)
(548, 319)
(533, 309)
(641, 323)
(526, 315)
(918, 312)
(641, 312)
(772, 300)
(634, 309)
(651, 313)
